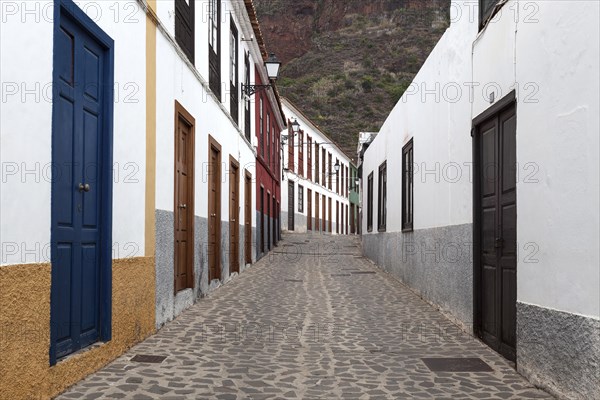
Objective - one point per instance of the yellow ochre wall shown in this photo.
(25, 371)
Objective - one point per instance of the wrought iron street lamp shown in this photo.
(295, 127)
(336, 168)
(295, 130)
(272, 65)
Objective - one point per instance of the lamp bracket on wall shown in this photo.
(251, 90)
(272, 66)
(336, 169)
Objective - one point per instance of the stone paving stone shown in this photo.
(332, 333)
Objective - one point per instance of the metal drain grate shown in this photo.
(334, 275)
(456, 365)
(364, 273)
(144, 358)
(294, 280)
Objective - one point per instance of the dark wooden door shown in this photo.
(184, 199)
(274, 222)
(317, 216)
(262, 220)
(234, 216)
(324, 227)
(352, 220)
(81, 206)
(278, 213)
(291, 206)
(346, 224)
(496, 233)
(337, 217)
(214, 210)
(269, 220)
(248, 218)
(330, 208)
(309, 221)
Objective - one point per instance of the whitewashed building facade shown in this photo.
(200, 72)
(493, 214)
(315, 192)
(129, 171)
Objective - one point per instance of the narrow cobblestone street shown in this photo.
(314, 320)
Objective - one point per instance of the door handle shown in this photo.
(184, 206)
(499, 243)
(84, 188)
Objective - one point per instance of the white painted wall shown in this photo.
(558, 206)
(179, 81)
(436, 112)
(317, 137)
(26, 42)
(549, 53)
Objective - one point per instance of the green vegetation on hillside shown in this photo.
(353, 75)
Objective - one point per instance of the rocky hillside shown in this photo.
(347, 62)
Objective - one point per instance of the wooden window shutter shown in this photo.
(184, 27)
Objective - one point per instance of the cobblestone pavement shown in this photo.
(314, 320)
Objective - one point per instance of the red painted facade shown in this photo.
(268, 169)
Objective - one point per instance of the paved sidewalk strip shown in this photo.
(312, 320)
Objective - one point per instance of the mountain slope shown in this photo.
(346, 63)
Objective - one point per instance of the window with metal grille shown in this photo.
(268, 139)
(330, 180)
(370, 203)
(247, 122)
(317, 169)
(261, 128)
(233, 73)
(337, 177)
(291, 154)
(382, 198)
(309, 160)
(214, 46)
(301, 153)
(407, 187)
(324, 167)
(300, 198)
(348, 181)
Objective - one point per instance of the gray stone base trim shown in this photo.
(269, 240)
(165, 300)
(301, 224)
(168, 304)
(559, 351)
(436, 263)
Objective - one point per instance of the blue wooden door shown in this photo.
(80, 139)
